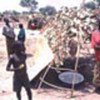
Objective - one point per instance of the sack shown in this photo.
(8, 32)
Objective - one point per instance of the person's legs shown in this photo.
(9, 43)
(27, 86)
(8, 46)
(18, 94)
(29, 94)
(17, 87)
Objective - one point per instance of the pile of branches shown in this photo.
(62, 29)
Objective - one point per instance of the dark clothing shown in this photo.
(9, 43)
(21, 35)
(20, 81)
(17, 61)
(20, 75)
(8, 32)
(96, 78)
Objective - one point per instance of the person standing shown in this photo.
(21, 35)
(18, 62)
(8, 32)
(95, 42)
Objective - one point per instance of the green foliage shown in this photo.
(90, 5)
(48, 10)
(32, 4)
(98, 1)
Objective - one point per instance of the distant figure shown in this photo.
(21, 35)
(18, 62)
(8, 32)
(95, 42)
(72, 47)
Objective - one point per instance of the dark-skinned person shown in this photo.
(9, 34)
(95, 42)
(22, 34)
(17, 63)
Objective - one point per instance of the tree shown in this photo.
(48, 10)
(98, 3)
(15, 12)
(31, 4)
(90, 5)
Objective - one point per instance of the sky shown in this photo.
(14, 4)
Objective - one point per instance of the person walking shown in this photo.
(18, 63)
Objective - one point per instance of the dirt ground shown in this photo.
(38, 94)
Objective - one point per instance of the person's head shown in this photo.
(18, 47)
(6, 20)
(20, 26)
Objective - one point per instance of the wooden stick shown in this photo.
(76, 66)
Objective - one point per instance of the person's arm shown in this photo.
(14, 69)
(97, 47)
(4, 31)
(93, 40)
(8, 68)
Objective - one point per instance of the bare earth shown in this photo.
(43, 94)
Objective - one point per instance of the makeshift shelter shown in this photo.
(59, 33)
(63, 28)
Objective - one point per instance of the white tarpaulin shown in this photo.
(42, 56)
